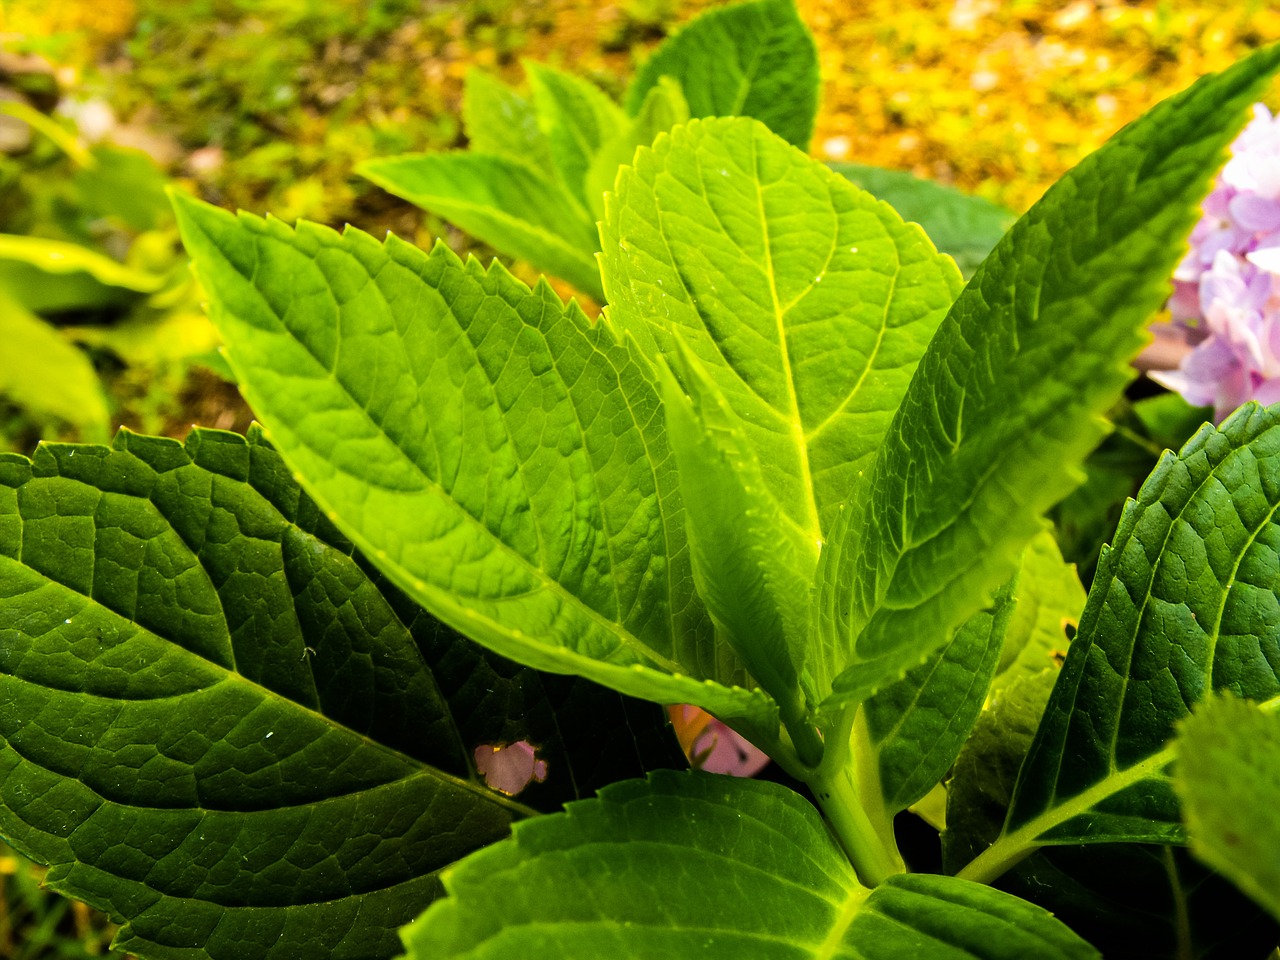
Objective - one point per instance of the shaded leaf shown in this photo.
(215, 726)
(500, 122)
(1228, 778)
(664, 107)
(962, 226)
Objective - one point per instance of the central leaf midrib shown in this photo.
(809, 524)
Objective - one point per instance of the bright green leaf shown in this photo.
(750, 570)
(578, 120)
(1228, 777)
(716, 867)
(499, 457)
(54, 256)
(215, 725)
(43, 372)
(500, 122)
(807, 301)
(1186, 600)
(1049, 601)
(507, 204)
(1007, 401)
(754, 59)
(962, 226)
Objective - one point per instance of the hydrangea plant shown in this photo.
(252, 690)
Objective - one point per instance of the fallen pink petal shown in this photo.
(510, 767)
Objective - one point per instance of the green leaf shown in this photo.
(217, 727)
(54, 256)
(754, 59)
(913, 729)
(507, 204)
(807, 301)
(749, 570)
(1007, 401)
(500, 122)
(1049, 601)
(44, 373)
(664, 107)
(960, 225)
(1228, 777)
(1187, 600)
(501, 459)
(578, 120)
(693, 864)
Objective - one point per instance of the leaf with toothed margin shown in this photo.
(220, 727)
(1185, 602)
(501, 459)
(1008, 399)
(718, 867)
(808, 302)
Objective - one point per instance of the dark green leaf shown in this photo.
(215, 726)
(693, 864)
(754, 59)
(963, 226)
(1187, 600)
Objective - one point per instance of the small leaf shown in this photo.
(914, 728)
(754, 59)
(500, 122)
(504, 202)
(578, 120)
(500, 458)
(1186, 601)
(54, 256)
(1228, 777)
(962, 226)
(749, 568)
(46, 374)
(694, 864)
(215, 725)
(1007, 401)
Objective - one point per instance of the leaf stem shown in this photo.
(834, 788)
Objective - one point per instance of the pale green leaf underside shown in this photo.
(212, 724)
(500, 459)
(716, 867)
(1007, 401)
(1186, 601)
(502, 201)
(1049, 600)
(43, 372)
(1228, 778)
(754, 59)
(808, 301)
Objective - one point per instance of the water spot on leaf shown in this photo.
(509, 767)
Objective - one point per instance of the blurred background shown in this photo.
(268, 105)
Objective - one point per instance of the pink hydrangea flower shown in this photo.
(1226, 293)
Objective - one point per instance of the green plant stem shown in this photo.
(834, 787)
